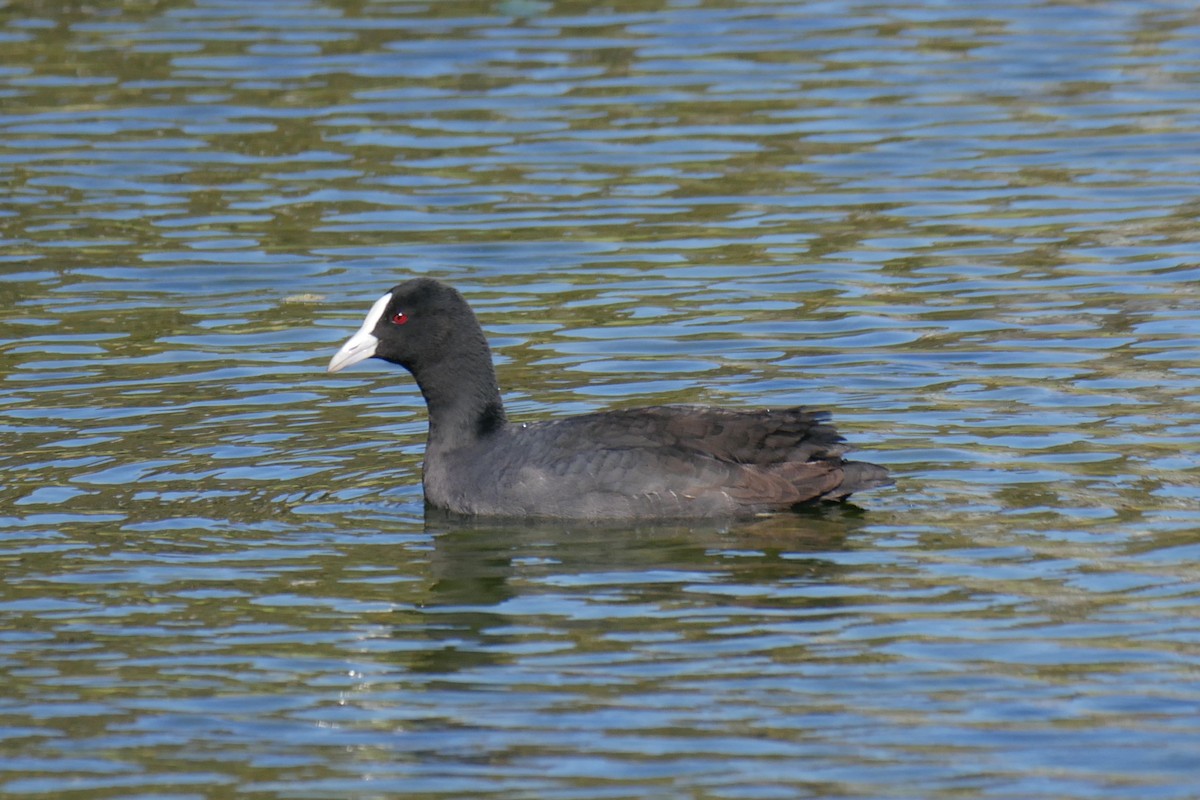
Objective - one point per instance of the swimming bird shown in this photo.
(660, 462)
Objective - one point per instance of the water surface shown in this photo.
(970, 232)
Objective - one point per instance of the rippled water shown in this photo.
(968, 230)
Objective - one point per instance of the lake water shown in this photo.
(969, 230)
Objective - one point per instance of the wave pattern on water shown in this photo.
(968, 231)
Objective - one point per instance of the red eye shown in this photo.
(399, 318)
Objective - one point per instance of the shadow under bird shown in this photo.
(661, 462)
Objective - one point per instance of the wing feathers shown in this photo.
(719, 458)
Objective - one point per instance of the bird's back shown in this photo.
(662, 461)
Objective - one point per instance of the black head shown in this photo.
(418, 322)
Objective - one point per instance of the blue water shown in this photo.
(969, 232)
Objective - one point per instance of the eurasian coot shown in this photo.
(659, 462)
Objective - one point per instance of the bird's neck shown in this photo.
(463, 399)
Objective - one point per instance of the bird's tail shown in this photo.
(858, 476)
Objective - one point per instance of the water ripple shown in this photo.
(969, 232)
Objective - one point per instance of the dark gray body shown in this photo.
(661, 462)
